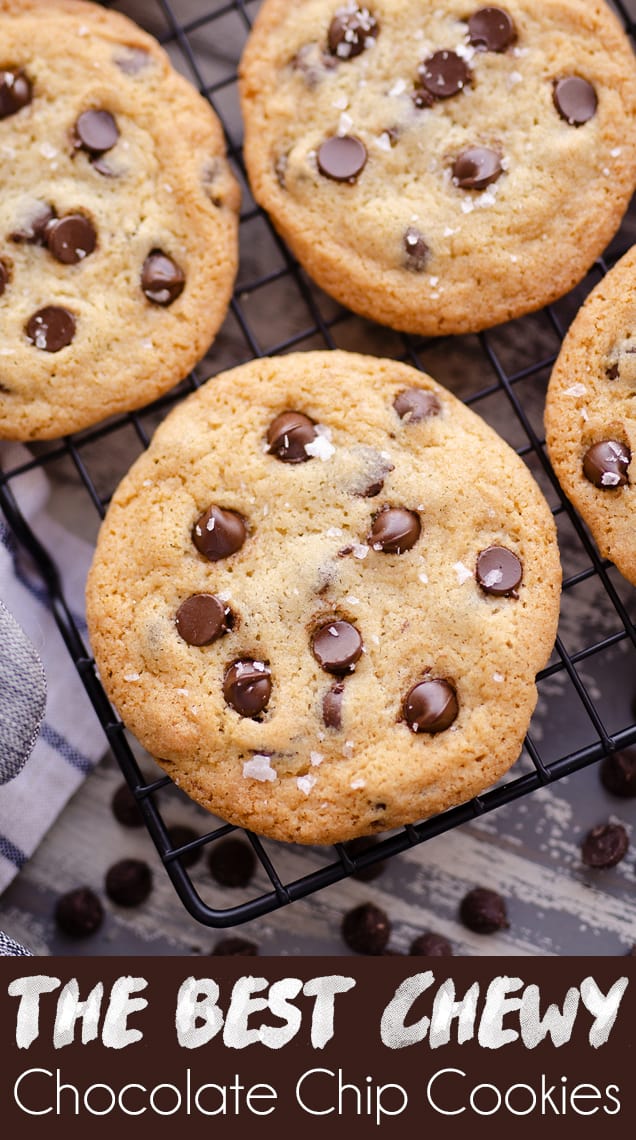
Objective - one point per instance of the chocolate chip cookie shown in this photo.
(590, 416)
(118, 218)
(439, 165)
(370, 580)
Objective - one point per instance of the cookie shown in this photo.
(437, 165)
(370, 580)
(118, 218)
(590, 417)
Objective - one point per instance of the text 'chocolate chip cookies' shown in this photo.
(321, 597)
(440, 165)
(118, 219)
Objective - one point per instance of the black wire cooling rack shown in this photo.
(585, 708)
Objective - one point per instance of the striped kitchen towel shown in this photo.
(70, 740)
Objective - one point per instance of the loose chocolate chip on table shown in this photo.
(394, 530)
(491, 29)
(477, 167)
(366, 929)
(79, 913)
(430, 706)
(4, 277)
(236, 947)
(70, 239)
(575, 100)
(96, 132)
(179, 835)
(631, 953)
(605, 845)
(618, 773)
(342, 158)
(431, 945)
(332, 706)
(357, 847)
(337, 646)
(162, 280)
(218, 533)
(125, 808)
(232, 862)
(414, 405)
(605, 464)
(247, 687)
(201, 619)
(287, 435)
(33, 226)
(484, 911)
(350, 32)
(15, 92)
(498, 571)
(417, 251)
(51, 328)
(129, 882)
(444, 74)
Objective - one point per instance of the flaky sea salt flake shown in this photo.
(259, 768)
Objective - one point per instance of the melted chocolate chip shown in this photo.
(491, 29)
(51, 328)
(135, 60)
(351, 31)
(618, 773)
(129, 882)
(70, 239)
(477, 167)
(498, 571)
(4, 277)
(414, 405)
(332, 706)
(247, 687)
(96, 132)
(484, 911)
(337, 646)
(232, 862)
(431, 945)
(79, 913)
(575, 99)
(162, 280)
(612, 371)
(125, 808)
(604, 846)
(33, 227)
(342, 158)
(287, 435)
(218, 533)
(201, 619)
(236, 947)
(417, 251)
(394, 530)
(366, 929)
(15, 92)
(444, 74)
(180, 835)
(430, 706)
(605, 464)
(422, 99)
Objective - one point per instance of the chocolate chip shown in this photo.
(394, 530)
(491, 29)
(357, 847)
(612, 371)
(342, 158)
(575, 100)
(236, 947)
(218, 533)
(366, 929)
(247, 687)
(313, 63)
(96, 132)
(618, 773)
(280, 169)
(79, 913)
(129, 882)
(162, 280)
(417, 251)
(201, 619)
(431, 945)
(332, 706)
(179, 835)
(351, 31)
(484, 911)
(70, 239)
(477, 167)
(125, 808)
(422, 99)
(135, 60)
(414, 405)
(430, 706)
(337, 646)
(605, 464)
(287, 435)
(103, 167)
(232, 862)
(444, 74)
(51, 328)
(33, 227)
(604, 846)
(498, 571)
(4, 277)
(15, 92)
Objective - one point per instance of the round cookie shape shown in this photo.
(118, 219)
(590, 418)
(459, 143)
(355, 689)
